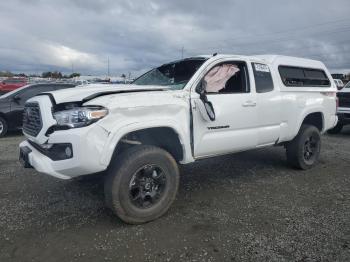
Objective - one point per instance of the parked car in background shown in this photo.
(12, 104)
(11, 84)
(180, 112)
(343, 110)
(339, 83)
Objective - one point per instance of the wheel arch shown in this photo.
(314, 118)
(3, 116)
(168, 136)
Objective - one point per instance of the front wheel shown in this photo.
(304, 150)
(141, 184)
(3, 127)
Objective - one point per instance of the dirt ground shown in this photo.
(245, 207)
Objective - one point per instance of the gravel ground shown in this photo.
(245, 207)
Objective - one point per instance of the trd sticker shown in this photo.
(262, 68)
(217, 127)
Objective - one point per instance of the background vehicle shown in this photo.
(180, 112)
(339, 83)
(11, 84)
(343, 110)
(12, 104)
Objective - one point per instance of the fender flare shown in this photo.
(120, 132)
(305, 114)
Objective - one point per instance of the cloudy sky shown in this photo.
(39, 35)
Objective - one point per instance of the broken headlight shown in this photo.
(79, 116)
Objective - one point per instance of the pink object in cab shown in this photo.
(217, 77)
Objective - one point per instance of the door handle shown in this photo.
(249, 104)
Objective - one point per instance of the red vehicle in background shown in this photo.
(12, 83)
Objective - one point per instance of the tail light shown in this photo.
(337, 102)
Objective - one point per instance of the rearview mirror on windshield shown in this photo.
(16, 98)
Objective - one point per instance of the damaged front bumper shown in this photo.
(67, 153)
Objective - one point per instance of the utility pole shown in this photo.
(108, 67)
(182, 52)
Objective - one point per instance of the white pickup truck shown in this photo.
(180, 112)
(343, 109)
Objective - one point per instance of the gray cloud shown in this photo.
(39, 35)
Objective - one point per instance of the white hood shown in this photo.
(76, 94)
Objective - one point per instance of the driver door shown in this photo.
(234, 104)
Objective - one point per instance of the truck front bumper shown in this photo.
(83, 158)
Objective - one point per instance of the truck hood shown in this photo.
(344, 90)
(88, 92)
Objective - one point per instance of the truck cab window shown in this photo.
(227, 78)
(263, 78)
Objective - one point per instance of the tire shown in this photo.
(336, 130)
(141, 184)
(3, 127)
(304, 150)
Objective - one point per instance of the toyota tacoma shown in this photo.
(178, 113)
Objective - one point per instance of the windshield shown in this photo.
(175, 75)
(13, 91)
(347, 85)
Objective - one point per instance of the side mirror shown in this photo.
(16, 98)
(200, 89)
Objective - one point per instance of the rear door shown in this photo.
(234, 128)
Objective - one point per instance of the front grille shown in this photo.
(344, 99)
(32, 122)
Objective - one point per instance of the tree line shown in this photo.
(47, 74)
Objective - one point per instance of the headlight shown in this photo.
(79, 116)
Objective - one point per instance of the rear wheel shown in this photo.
(142, 184)
(3, 127)
(304, 150)
(337, 129)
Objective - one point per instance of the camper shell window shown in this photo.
(303, 77)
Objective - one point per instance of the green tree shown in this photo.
(6, 74)
(46, 74)
(21, 75)
(54, 74)
(74, 75)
